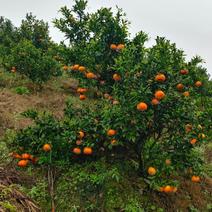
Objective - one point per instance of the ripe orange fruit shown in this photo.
(79, 90)
(82, 97)
(111, 132)
(81, 134)
(198, 83)
(82, 68)
(184, 72)
(159, 95)
(76, 67)
(120, 46)
(168, 162)
(87, 151)
(186, 94)
(151, 171)
(46, 147)
(82, 90)
(193, 141)
(65, 68)
(77, 151)
(167, 189)
(142, 106)
(114, 141)
(25, 156)
(113, 46)
(160, 78)
(78, 142)
(116, 77)
(155, 101)
(90, 75)
(195, 179)
(23, 163)
(180, 87)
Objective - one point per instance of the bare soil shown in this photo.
(11, 105)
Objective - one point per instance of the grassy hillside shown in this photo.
(109, 184)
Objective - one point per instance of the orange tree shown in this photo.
(32, 62)
(153, 112)
(152, 94)
(28, 49)
(37, 31)
(8, 37)
(95, 41)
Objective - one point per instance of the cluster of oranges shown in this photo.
(180, 86)
(188, 128)
(24, 159)
(86, 150)
(75, 67)
(112, 133)
(81, 92)
(117, 47)
(167, 189)
(82, 69)
(159, 94)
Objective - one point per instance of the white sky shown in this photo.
(186, 22)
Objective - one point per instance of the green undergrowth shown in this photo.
(94, 186)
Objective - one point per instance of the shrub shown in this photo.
(36, 31)
(22, 90)
(160, 136)
(32, 62)
(8, 37)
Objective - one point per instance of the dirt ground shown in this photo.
(11, 105)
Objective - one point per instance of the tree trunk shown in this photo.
(139, 151)
(51, 187)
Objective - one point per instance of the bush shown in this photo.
(36, 31)
(8, 37)
(22, 90)
(152, 111)
(33, 63)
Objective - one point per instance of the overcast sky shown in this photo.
(185, 22)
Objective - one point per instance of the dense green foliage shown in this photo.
(27, 49)
(152, 106)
